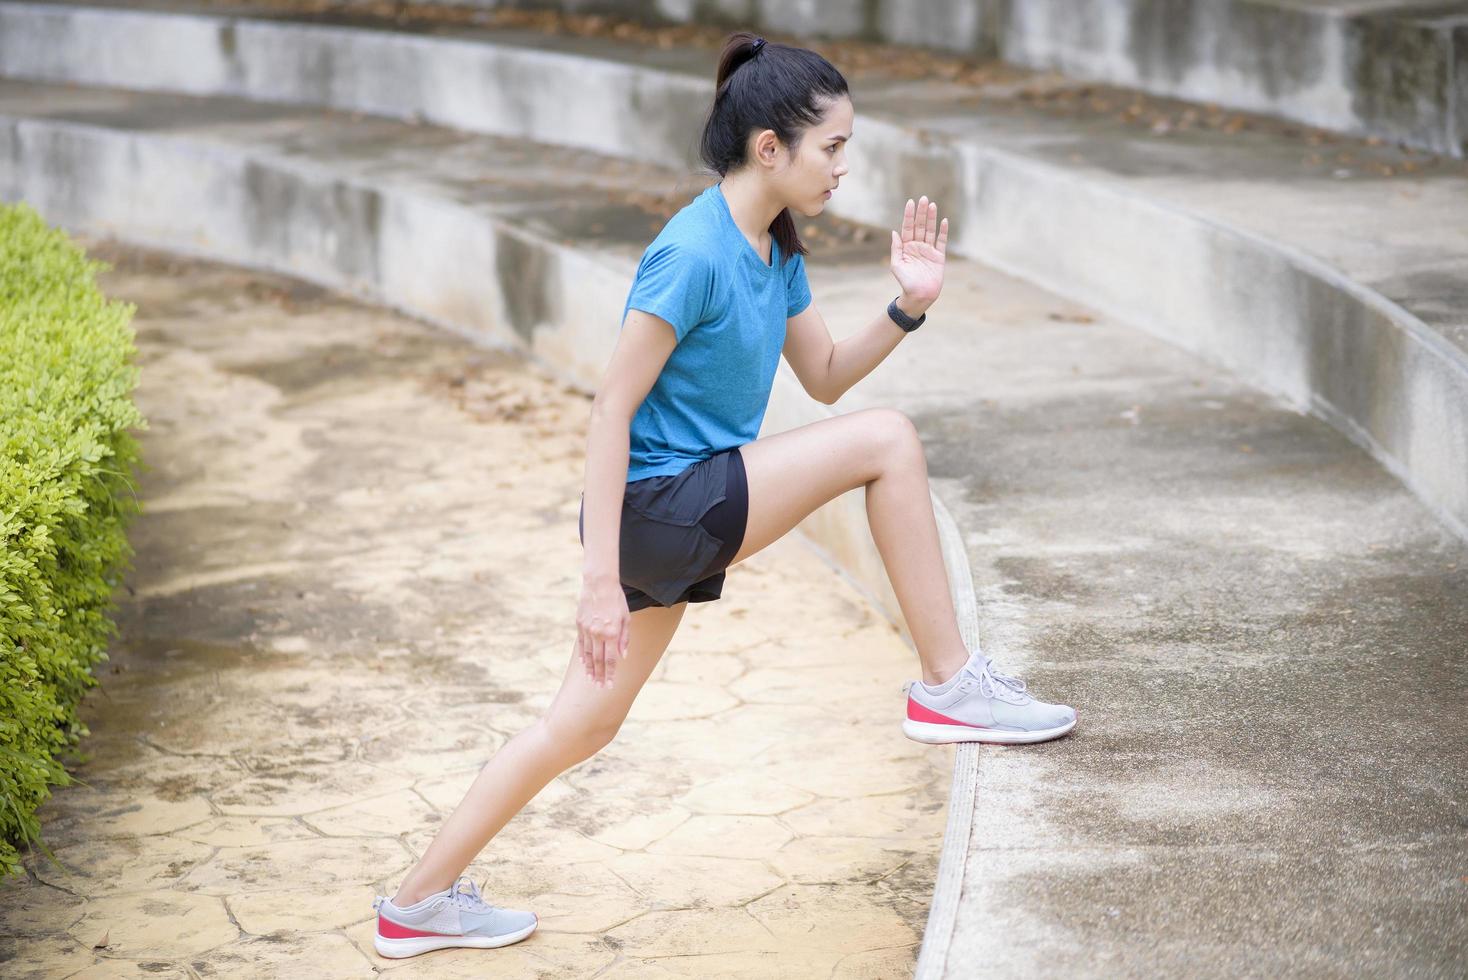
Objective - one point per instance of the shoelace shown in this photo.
(1013, 683)
(471, 900)
(987, 675)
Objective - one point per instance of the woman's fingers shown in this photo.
(942, 244)
(920, 224)
(599, 655)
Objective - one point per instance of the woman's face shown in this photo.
(819, 162)
(804, 178)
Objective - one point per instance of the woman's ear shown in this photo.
(767, 147)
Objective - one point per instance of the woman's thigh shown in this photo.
(580, 709)
(791, 474)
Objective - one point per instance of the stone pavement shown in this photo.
(356, 576)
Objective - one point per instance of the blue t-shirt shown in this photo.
(728, 309)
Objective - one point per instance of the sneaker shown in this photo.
(979, 704)
(456, 916)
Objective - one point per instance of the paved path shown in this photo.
(356, 576)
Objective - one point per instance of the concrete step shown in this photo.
(1328, 272)
(1392, 69)
(417, 217)
(1261, 628)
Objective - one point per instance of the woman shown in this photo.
(678, 488)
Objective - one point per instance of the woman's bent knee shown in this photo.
(892, 429)
(576, 741)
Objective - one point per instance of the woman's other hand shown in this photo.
(602, 625)
(918, 254)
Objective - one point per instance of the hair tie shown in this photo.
(759, 42)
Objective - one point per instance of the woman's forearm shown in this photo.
(607, 449)
(854, 358)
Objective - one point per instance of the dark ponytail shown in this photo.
(764, 85)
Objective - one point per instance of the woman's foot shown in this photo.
(979, 704)
(456, 916)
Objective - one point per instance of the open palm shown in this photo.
(918, 252)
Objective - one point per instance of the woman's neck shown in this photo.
(751, 207)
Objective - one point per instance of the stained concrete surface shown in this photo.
(1264, 634)
(356, 577)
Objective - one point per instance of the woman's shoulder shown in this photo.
(692, 226)
(684, 241)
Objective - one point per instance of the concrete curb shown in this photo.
(953, 858)
(1287, 323)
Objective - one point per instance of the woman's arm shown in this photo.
(602, 619)
(642, 349)
(854, 357)
(607, 450)
(827, 370)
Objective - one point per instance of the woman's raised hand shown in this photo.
(602, 629)
(918, 253)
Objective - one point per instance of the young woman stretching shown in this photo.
(678, 488)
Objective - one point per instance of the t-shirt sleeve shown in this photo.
(674, 282)
(797, 290)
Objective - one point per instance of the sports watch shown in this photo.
(902, 319)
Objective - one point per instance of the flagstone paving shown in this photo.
(356, 576)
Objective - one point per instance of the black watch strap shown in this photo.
(902, 319)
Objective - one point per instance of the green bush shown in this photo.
(66, 464)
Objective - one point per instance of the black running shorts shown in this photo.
(680, 532)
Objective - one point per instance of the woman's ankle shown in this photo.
(409, 896)
(939, 673)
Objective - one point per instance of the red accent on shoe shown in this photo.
(388, 929)
(918, 712)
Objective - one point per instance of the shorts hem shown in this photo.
(637, 599)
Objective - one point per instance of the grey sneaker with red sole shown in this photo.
(980, 704)
(458, 916)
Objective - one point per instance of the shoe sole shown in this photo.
(934, 734)
(397, 949)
